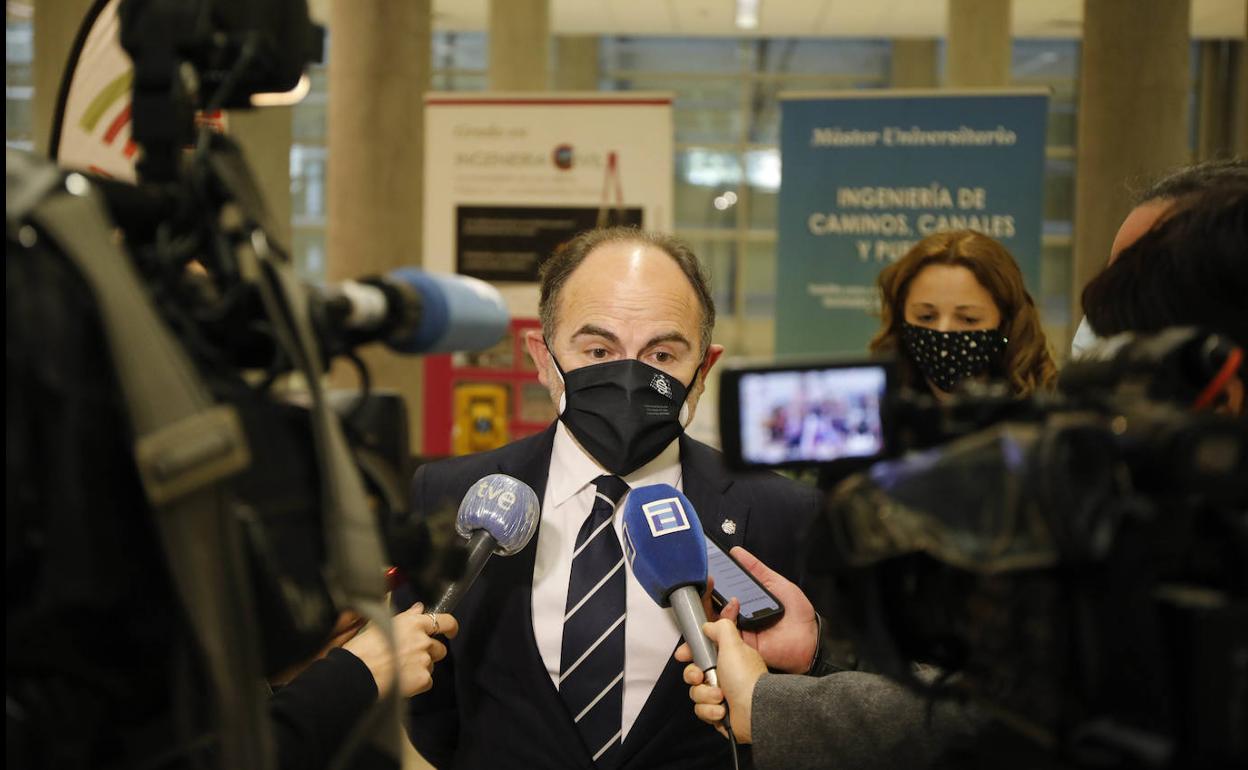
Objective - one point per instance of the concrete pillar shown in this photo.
(1132, 122)
(56, 24)
(266, 135)
(576, 63)
(914, 63)
(378, 73)
(519, 45)
(978, 43)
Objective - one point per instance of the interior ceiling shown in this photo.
(815, 18)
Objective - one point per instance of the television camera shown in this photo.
(181, 523)
(1073, 563)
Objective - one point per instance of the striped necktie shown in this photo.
(591, 664)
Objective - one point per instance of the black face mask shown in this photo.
(624, 413)
(947, 358)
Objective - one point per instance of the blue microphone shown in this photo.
(666, 551)
(415, 312)
(498, 515)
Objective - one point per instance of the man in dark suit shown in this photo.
(562, 660)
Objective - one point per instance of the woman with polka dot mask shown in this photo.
(955, 308)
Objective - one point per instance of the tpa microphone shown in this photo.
(666, 550)
(498, 515)
(416, 312)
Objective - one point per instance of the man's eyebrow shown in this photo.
(596, 331)
(668, 337)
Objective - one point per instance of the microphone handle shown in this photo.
(480, 546)
(690, 615)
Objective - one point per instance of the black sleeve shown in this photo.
(433, 716)
(315, 713)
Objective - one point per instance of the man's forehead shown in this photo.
(629, 282)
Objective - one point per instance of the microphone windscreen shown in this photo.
(457, 313)
(503, 506)
(663, 541)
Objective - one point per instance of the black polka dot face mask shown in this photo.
(947, 358)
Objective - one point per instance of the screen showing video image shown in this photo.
(811, 416)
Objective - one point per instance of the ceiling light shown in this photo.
(747, 14)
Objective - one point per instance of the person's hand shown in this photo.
(790, 644)
(415, 650)
(739, 668)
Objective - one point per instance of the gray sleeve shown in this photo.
(850, 719)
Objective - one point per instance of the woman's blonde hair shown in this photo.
(1027, 363)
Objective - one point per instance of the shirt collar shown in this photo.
(572, 468)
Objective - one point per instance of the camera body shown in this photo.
(1073, 562)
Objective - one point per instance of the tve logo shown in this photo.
(498, 490)
(665, 516)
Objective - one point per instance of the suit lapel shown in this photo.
(706, 484)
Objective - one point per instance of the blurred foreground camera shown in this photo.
(1076, 563)
(186, 515)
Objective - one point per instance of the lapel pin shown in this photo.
(729, 527)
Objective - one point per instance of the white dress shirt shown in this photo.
(650, 632)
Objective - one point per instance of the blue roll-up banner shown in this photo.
(866, 174)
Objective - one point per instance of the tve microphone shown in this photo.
(666, 550)
(417, 312)
(498, 515)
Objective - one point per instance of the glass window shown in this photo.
(758, 279)
(462, 51)
(1059, 195)
(458, 61)
(719, 257)
(19, 88)
(1050, 59)
(703, 110)
(665, 54)
(762, 177)
(309, 251)
(706, 188)
(866, 59)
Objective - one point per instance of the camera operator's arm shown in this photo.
(313, 715)
(845, 719)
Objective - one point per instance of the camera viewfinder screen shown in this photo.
(815, 415)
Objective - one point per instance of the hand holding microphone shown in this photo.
(410, 662)
(666, 550)
(739, 669)
(789, 645)
(498, 515)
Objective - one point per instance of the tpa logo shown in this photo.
(665, 516)
(659, 383)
